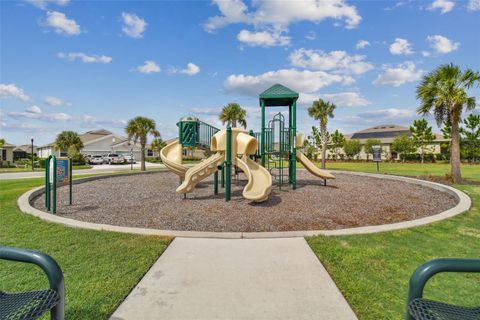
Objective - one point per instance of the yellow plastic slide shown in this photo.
(171, 156)
(199, 172)
(259, 183)
(312, 168)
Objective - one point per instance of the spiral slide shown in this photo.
(171, 156)
(259, 183)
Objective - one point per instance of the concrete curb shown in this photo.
(463, 205)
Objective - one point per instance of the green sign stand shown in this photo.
(57, 171)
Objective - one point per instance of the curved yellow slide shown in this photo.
(312, 168)
(171, 156)
(259, 183)
(199, 172)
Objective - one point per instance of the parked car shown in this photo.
(112, 158)
(129, 159)
(95, 160)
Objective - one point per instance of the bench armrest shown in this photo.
(426, 271)
(47, 264)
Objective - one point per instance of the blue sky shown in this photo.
(82, 65)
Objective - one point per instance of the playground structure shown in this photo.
(278, 150)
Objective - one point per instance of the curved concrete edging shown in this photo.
(463, 205)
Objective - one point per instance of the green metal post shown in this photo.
(47, 183)
(223, 175)
(290, 168)
(54, 187)
(293, 134)
(215, 182)
(262, 104)
(228, 166)
(70, 171)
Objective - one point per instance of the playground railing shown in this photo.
(205, 133)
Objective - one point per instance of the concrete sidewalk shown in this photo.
(236, 279)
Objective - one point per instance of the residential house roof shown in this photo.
(385, 133)
(25, 148)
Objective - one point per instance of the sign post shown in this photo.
(57, 171)
(377, 155)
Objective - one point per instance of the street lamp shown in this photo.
(31, 140)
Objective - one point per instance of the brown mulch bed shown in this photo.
(150, 201)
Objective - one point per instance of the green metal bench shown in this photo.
(33, 304)
(419, 308)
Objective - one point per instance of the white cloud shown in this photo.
(93, 58)
(442, 44)
(346, 99)
(92, 121)
(190, 70)
(148, 66)
(34, 109)
(473, 5)
(263, 38)
(61, 24)
(362, 44)
(401, 74)
(301, 81)
(12, 91)
(401, 46)
(443, 5)
(311, 35)
(133, 25)
(42, 4)
(426, 54)
(54, 101)
(337, 61)
(390, 113)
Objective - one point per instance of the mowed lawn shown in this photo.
(471, 172)
(100, 268)
(373, 271)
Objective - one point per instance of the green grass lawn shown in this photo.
(471, 172)
(100, 268)
(372, 271)
(29, 169)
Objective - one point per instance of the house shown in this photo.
(386, 134)
(100, 142)
(6, 153)
(24, 151)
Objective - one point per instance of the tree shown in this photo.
(233, 113)
(337, 139)
(138, 129)
(369, 146)
(157, 145)
(69, 141)
(422, 136)
(352, 148)
(2, 144)
(403, 145)
(471, 134)
(444, 91)
(321, 111)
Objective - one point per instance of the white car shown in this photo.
(129, 159)
(95, 160)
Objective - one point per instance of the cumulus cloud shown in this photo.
(133, 25)
(148, 66)
(341, 99)
(34, 109)
(337, 61)
(55, 102)
(362, 44)
(36, 113)
(401, 46)
(191, 69)
(12, 91)
(85, 58)
(299, 80)
(443, 5)
(473, 5)
(263, 38)
(398, 75)
(442, 44)
(43, 4)
(311, 35)
(59, 22)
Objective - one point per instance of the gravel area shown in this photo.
(150, 201)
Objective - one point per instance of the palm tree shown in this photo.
(157, 145)
(321, 111)
(444, 92)
(138, 129)
(69, 141)
(233, 113)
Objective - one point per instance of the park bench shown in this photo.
(33, 304)
(419, 308)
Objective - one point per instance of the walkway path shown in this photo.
(236, 279)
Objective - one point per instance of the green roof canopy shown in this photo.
(278, 95)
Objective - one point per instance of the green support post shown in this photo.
(47, 183)
(293, 135)
(215, 182)
(54, 187)
(70, 171)
(262, 103)
(223, 175)
(228, 166)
